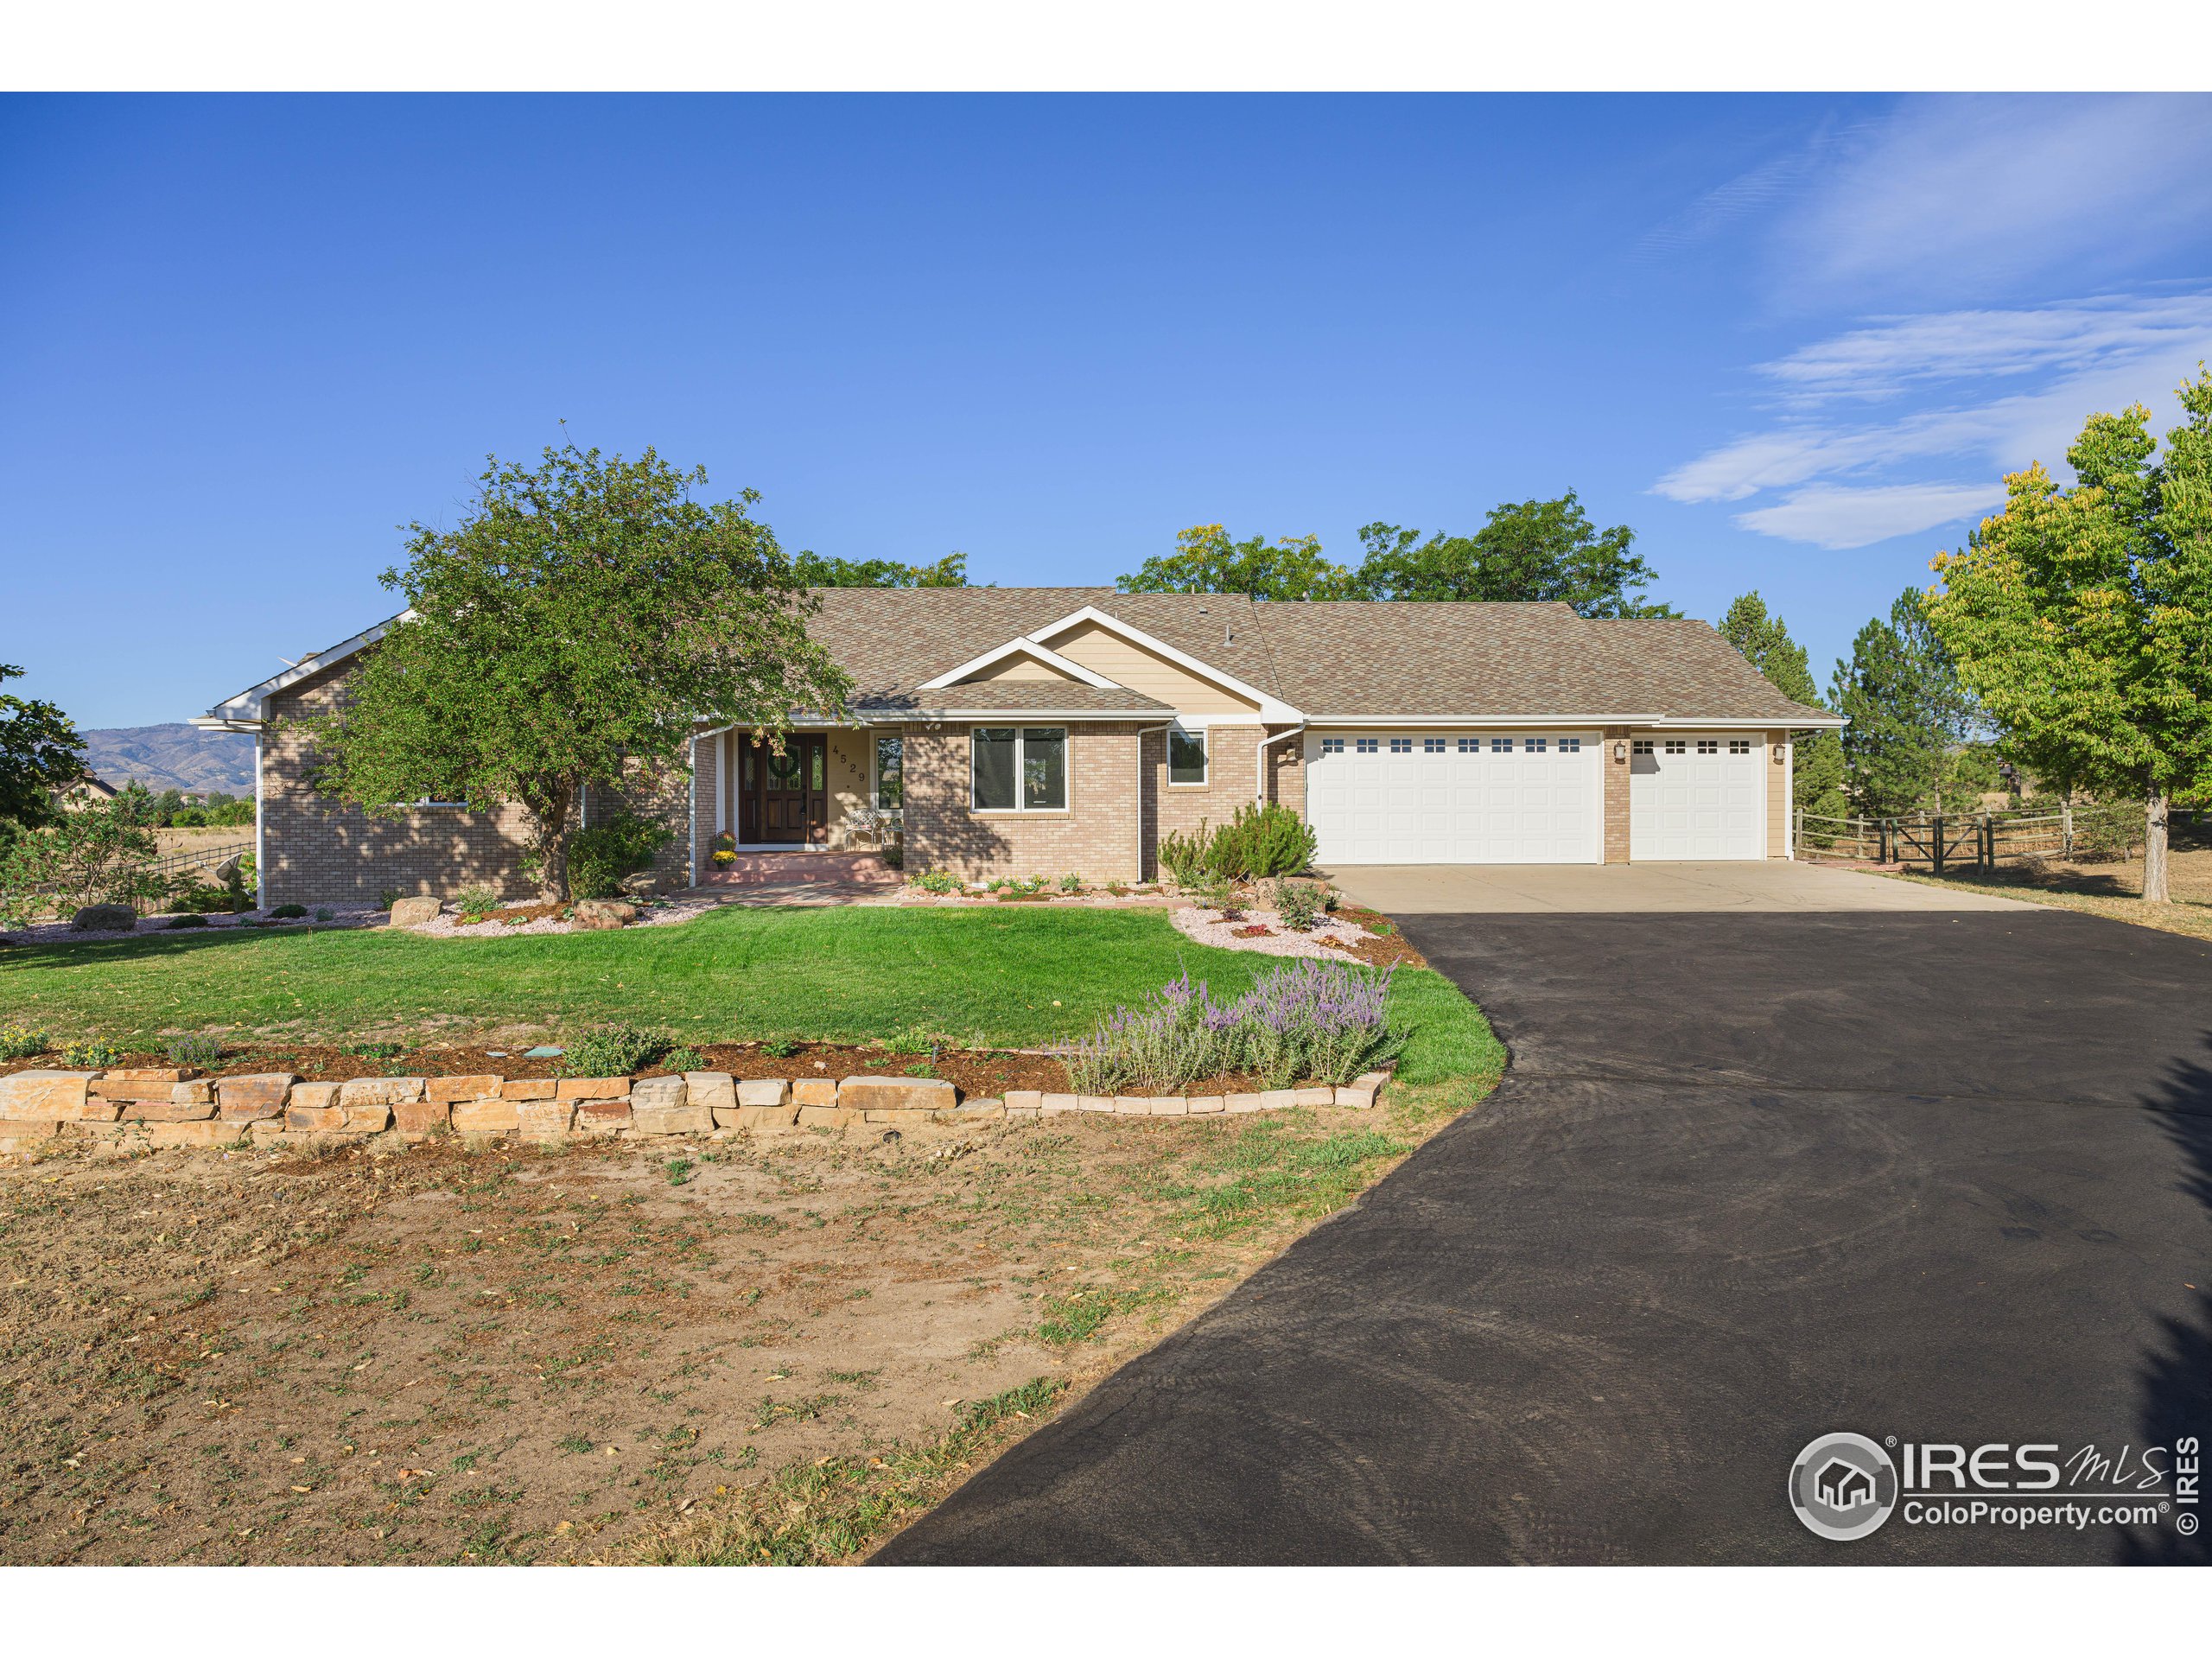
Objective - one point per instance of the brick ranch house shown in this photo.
(1020, 731)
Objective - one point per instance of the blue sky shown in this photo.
(1793, 342)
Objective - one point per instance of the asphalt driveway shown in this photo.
(1754, 1177)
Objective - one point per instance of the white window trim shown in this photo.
(1021, 757)
(1022, 645)
(1273, 710)
(1189, 728)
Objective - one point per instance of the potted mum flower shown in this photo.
(725, 848)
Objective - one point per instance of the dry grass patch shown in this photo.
(2112, 889)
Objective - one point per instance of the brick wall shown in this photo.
(317, 851)
(1287, 772)
(1095, 837)
(1616, 787)
(1178, 809)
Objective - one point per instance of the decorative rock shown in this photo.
(1316, 1095)
(1133, 1105)
(898, 1118)
(104, 918)
(815, 1091)
(872, 1095)
(413, 913)
(1052, 1105)
(716, 1091)
(1240, 1103)
(268, 1132)
(487, 1116)
(210, 1132)
(764, 1091)
(655, 1094)
(1350, 1094)
(1372, 1082)
(544, 1120)
(313, 1108)
(142, 1083)
(1276, 1100)
(973, 1110)
(1028, 1100)
(313, 1096)
(825, 1118)
(600, 915)
(51, 1094)
(448, 1090)
(425, 1116)
(599, 1088)
(1093, 1102)
(533, 1088)
(379, 1091)
(17, 1132)
(602, 1117)
(257, 1095)
(1205, 1105)
(167, 1111)
(764, 1117)
(1171, 1106)
(199, 1092)
(372, 1119)
(670, 1119)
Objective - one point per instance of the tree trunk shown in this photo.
(549, 816)
(2154, 849)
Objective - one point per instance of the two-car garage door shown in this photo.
(1530, 797)
(1454, 797)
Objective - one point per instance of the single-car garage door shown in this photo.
(1697, 797)
(1454, 797)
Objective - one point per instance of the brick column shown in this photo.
(1616, 772)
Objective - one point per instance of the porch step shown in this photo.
(756, 870)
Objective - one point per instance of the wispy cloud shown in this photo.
(1833, 517)
(1952, 196)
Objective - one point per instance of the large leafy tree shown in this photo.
(2083, 617)
(1207, 560)
(1909, 712)
(567, 632)
(1817, 771)
(1525, 550)
(820, 570)
(40, 754)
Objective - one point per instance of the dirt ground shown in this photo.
(2112, 889)
(779, 1348)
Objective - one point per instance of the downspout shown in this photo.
(1142, 730)
(260, 841)
(1260, 762)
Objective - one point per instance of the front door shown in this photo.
(791, 805)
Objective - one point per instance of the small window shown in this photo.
(1739, 745)
(1018, 769)
(1708, 746)
(1534, 745)
(1332, 746)
(1432, 746)
(1676, 746)
(1501, 745)
(1045, 768)
(1401, 746)
(1641, 745)
(1186, 756)
(1570, 745)
(1368, 745)
(1470, 745)
(890, 773)
(993, 767)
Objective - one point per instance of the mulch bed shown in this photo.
(1386, 949)
(975, 1073)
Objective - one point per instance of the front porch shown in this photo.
(827, 790)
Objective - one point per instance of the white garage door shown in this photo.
(1454, 797)
(1697, 797)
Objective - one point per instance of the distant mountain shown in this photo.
(176, 756)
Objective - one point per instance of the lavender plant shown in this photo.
(1323, 1021)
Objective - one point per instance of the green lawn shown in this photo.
(995, 977)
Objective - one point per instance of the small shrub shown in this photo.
(914, 1040)
(289, 913)
(387, 897)
(684, 1059)
(20, 1043)
(474, 903)
(940, 881)
(1299, 904)
(1183, 854)
(612, 1050)
(374, 1051)
(194, 1051)
(203, 897)
(187, 921)
(679, 1170)
(325, 914)
(894, 856)
(91, 1054)
(1071, 882)
(1262, 841)
(779, 1047)
(600, 857)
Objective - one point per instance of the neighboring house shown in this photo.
(1040, 730)
(86, 792)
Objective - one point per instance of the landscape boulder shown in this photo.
(597, 915)
(104, 918)
(413, 913)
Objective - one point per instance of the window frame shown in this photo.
(1021, 770)
(1190, 734)
(875, 778)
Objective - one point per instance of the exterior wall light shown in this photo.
(1620, 750)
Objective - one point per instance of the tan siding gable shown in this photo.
(1020, 666)
(1105, 651)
